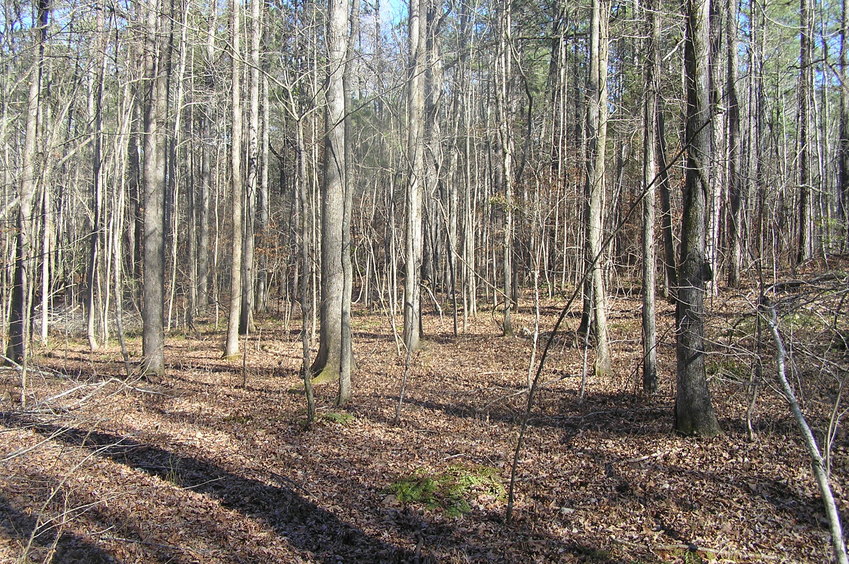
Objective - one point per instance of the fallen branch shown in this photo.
(808, 438)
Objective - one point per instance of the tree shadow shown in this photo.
(620, 414)
(302, 523)
(68, 547)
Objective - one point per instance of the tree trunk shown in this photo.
(805, 241)
(669, 261)
(346, 358)
(231, 346)
(735, 177)
(153, 333)
(327, 364)
(415, 148)
(597, 142)
(649, 180)
(96, 190)
(503, 76)
(249, 241)
(843, 146)
(694, 413)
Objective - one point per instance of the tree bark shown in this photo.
(694, 413)
(652, 75)
(597, 142)
(735, 177)
(415, 152)
(327, 364)
(231, 346)
(249, 241)
(843, 144)
(153, 332)
(805, 229)
(503, 77)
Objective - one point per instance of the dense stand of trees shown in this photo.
(193, 159)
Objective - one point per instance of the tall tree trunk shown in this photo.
(503, 77)
(597, 142)
(19, 313)
(346, 358)
(652, 75)
(735, 177)
(263, 205)
(327, 364)
(231, 346)
(843, 147)
(96, 188)
(694, 413)
(249, 241)
(415, 152)
(206, 179)
(805, 242)
(153, 333)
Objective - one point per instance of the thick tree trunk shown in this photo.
(694, 413)
(327, 364)
(153, 332)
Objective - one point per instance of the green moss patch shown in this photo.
(452, 491)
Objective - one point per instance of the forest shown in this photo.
(424, 281)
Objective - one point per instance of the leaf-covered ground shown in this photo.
(203, 468)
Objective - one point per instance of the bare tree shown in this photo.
(253, 180)
(505, 135)
(652, 72)
(735, 176)
(19, 310)
(231, 346)
(415, 155)
(153, 333)
(843, 141)
(327, 365)
(805, 229)
(694, 413)
(597, 108)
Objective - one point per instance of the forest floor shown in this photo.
(214, 463)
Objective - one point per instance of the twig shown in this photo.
(837, 543)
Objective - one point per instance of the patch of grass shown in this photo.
(236, 418)
(452, 490)
(729, 368)
(173, 472)
(338, 418)
(799, 320)
(691, 555)
(591, 554)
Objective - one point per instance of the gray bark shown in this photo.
(327, 364)
(649, 180)
(597, 141)
(231, 346)
(805, 229)
(415, 154)
(153, 333)
(694, 413)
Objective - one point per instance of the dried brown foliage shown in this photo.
(198, 468)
